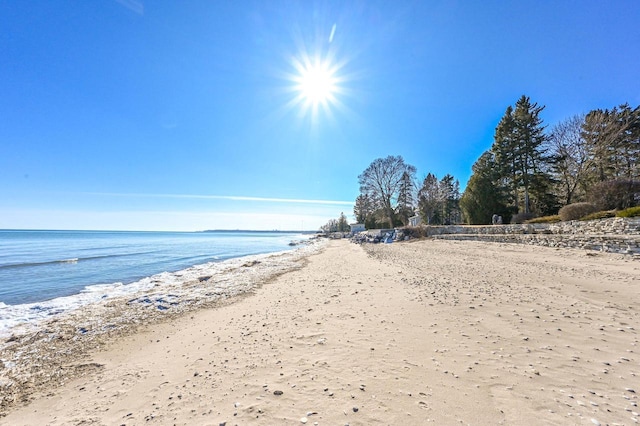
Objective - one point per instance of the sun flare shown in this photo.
(317, 83)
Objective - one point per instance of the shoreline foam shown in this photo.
(26, 317)
(67, 327)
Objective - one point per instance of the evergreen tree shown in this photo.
(597, 134)
(406, 198)
(430, 200)
(612, 138)
(505, 156)
(482, 198)
(519, 154)
(530, 137)
(343, 225)
(450, 190)
(363, 208)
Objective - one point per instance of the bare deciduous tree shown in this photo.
(570, 157)
(382, 180)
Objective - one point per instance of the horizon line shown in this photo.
(284, 231)
(223, 197)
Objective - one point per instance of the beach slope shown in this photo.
(441, 332)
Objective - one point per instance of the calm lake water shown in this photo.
(40, 265)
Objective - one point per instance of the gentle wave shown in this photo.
(69, 261)
(30, 264)
(31, 314)
(34, 287)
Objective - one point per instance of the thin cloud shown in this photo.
(133, 5)
(224, 197)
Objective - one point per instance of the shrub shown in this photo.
(630, 212)
(576, 211)
(599, 215)
(545, 219)
(521, 217)
(415, 231)
(615, 194)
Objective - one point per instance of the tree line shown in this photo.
(390, 195)
(528, 172)
(336, 225)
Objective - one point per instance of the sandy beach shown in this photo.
(440, 332)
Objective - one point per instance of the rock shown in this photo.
(277, 392)
(304, 420)
(355, 409)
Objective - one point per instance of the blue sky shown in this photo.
(188, 115)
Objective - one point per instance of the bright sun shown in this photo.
(317, 83)
(317, 80)
(316, 86)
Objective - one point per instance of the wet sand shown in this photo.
(441, 332)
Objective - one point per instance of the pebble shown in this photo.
(355, 409)
(277, 392)
(304, 420)
(595, 422)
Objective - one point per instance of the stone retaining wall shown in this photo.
(612, 226)
(617, 235)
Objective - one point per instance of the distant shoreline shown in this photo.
(177, 232)
(259, 231)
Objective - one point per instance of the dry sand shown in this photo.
(440, 332)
